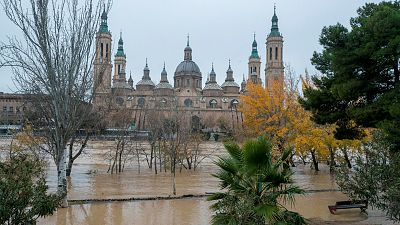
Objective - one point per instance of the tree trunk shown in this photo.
(151, 155)
(71, 157)
(291, 160)
(62, 178)
(174, 171)
(314, 159)
(346, 157)
(69, 168)
(70, 160)
(189, 162)
(155, 159)
(396, 72)
(332, 162)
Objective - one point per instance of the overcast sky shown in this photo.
(219, 30)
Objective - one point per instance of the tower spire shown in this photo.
(275, 28)
(120, 51)
(254, 51)
(103, 24)
(188, 38)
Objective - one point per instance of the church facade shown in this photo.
(114, 91)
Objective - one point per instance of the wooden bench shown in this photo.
(363, 205)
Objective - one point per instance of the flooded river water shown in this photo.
(90, 180)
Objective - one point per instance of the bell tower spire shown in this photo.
(254, 74)
(274, 69)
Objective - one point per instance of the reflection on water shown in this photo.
(164, 212)
(130, 183)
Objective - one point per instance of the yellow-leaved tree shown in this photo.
(276, 113)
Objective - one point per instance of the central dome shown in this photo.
(187, 67)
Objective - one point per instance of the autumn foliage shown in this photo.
(277, 114)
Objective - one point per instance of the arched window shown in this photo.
(276, 53)
(213, 103)
(188, 103)
(101, 50)
(107, 51)
(255, 69)
(119, 69)
(270, 53)
(234, 103)
(141, 102)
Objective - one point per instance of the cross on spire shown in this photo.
(188, 36)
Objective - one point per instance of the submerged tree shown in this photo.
(54, 64)
(376, 177)
(256, 185)
(23, 189)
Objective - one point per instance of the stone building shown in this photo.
(12, 107)
(208, 105)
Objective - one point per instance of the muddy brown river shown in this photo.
(90, 180)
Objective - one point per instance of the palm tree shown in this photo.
(256, 186)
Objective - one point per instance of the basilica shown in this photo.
(114, 91)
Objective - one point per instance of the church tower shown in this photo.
(102, 62)
(254, 64)
(274, 69)
(119, 79)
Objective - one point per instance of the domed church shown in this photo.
(208, 104)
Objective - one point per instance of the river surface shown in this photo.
(90, 180)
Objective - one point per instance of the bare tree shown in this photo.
(54, 63)
(92, 123)
(122, 119)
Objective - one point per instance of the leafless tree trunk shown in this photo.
(53, 63)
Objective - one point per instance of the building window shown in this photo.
(234, 104)
(213, 103)
(106, 51)
(177, 83)
(188, 103)
(255, 69)
(120, 101)
(119, 69)
(270, 53)
(4, 108)
(141, 102)
(187, 82)
(11, 109)
(276, 53)
(101, 50)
